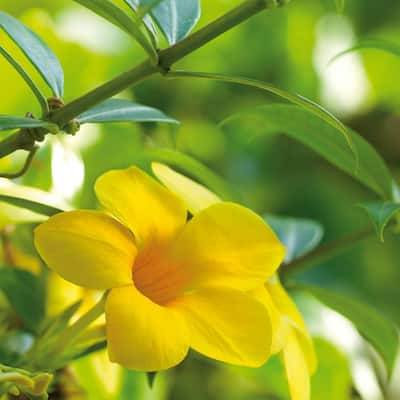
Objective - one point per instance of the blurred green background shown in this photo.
(290, 48)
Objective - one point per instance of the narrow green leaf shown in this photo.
(324, 139)
(118, 110)
(299, 100)
(115, 15)
(191, 167)
(381, 214)
(23, 291)
(37, 51)
(374, 44)
(299, 236)
(151, 376)
(8, 122)
(30, 205)
(381, 333)
(91, 349)
(36, 91)
(175, 18)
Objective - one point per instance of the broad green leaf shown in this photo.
(8, 122)
(374, 44)
(118, 110)
(40, 55)
(36, 91)
(30, 205)
(299, 100)
(175, 18)
(299, 236)
(24, 292)
(381, 214)
(191, 168)
(381, 333)
(115, 15)
(324, 139)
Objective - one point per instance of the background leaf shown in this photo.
(30, 205)
(176, 18)
(372, 325)
(116, 16)
(381, 214)
(24, 292)
(41, 56)
(377, 44)
(299, 236)
(119, 110)
(324, 139)
(8, 122)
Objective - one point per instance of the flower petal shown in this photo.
(87, 248)
(292, 317)
(196, 196)
(227, 245)
(227, 325)
(296, 368)
(152, 212)
(141, 334)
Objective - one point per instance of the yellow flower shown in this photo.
(174, 284)
(290, 336)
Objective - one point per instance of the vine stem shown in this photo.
(167, 58)
(325, 252)
(147, 68)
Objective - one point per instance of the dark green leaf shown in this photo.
(151, 376)
(299, 236)
(41, 56)
(176, 18)
(324, 139)
(119, 18)
(23, 291)
(13, 122)
(299, 100)
(192, 168)
(118, 110)
(381, 333)
(36, 91)
(34, 206)
(374, 44)
(381, 214)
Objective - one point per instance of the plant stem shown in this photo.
(325, 252)
(147, 68)
(167, 58)
(20, 140)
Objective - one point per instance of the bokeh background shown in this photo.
(290, 48)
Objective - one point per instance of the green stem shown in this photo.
(146, 69)
(20, 140)
(325, 252)
(167, 58)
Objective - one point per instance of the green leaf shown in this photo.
(14, 122)
(175, 18)
(193, 168)
(30, 205)
(23, 291)
(36, 91)
(324, 139)
(381, 333)
(299, 236)
(381, 214)
(374, 44)
(115, 15)
(339, 5)
(118, 110)
(299, 100)
(37, 51)
(151, 376)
